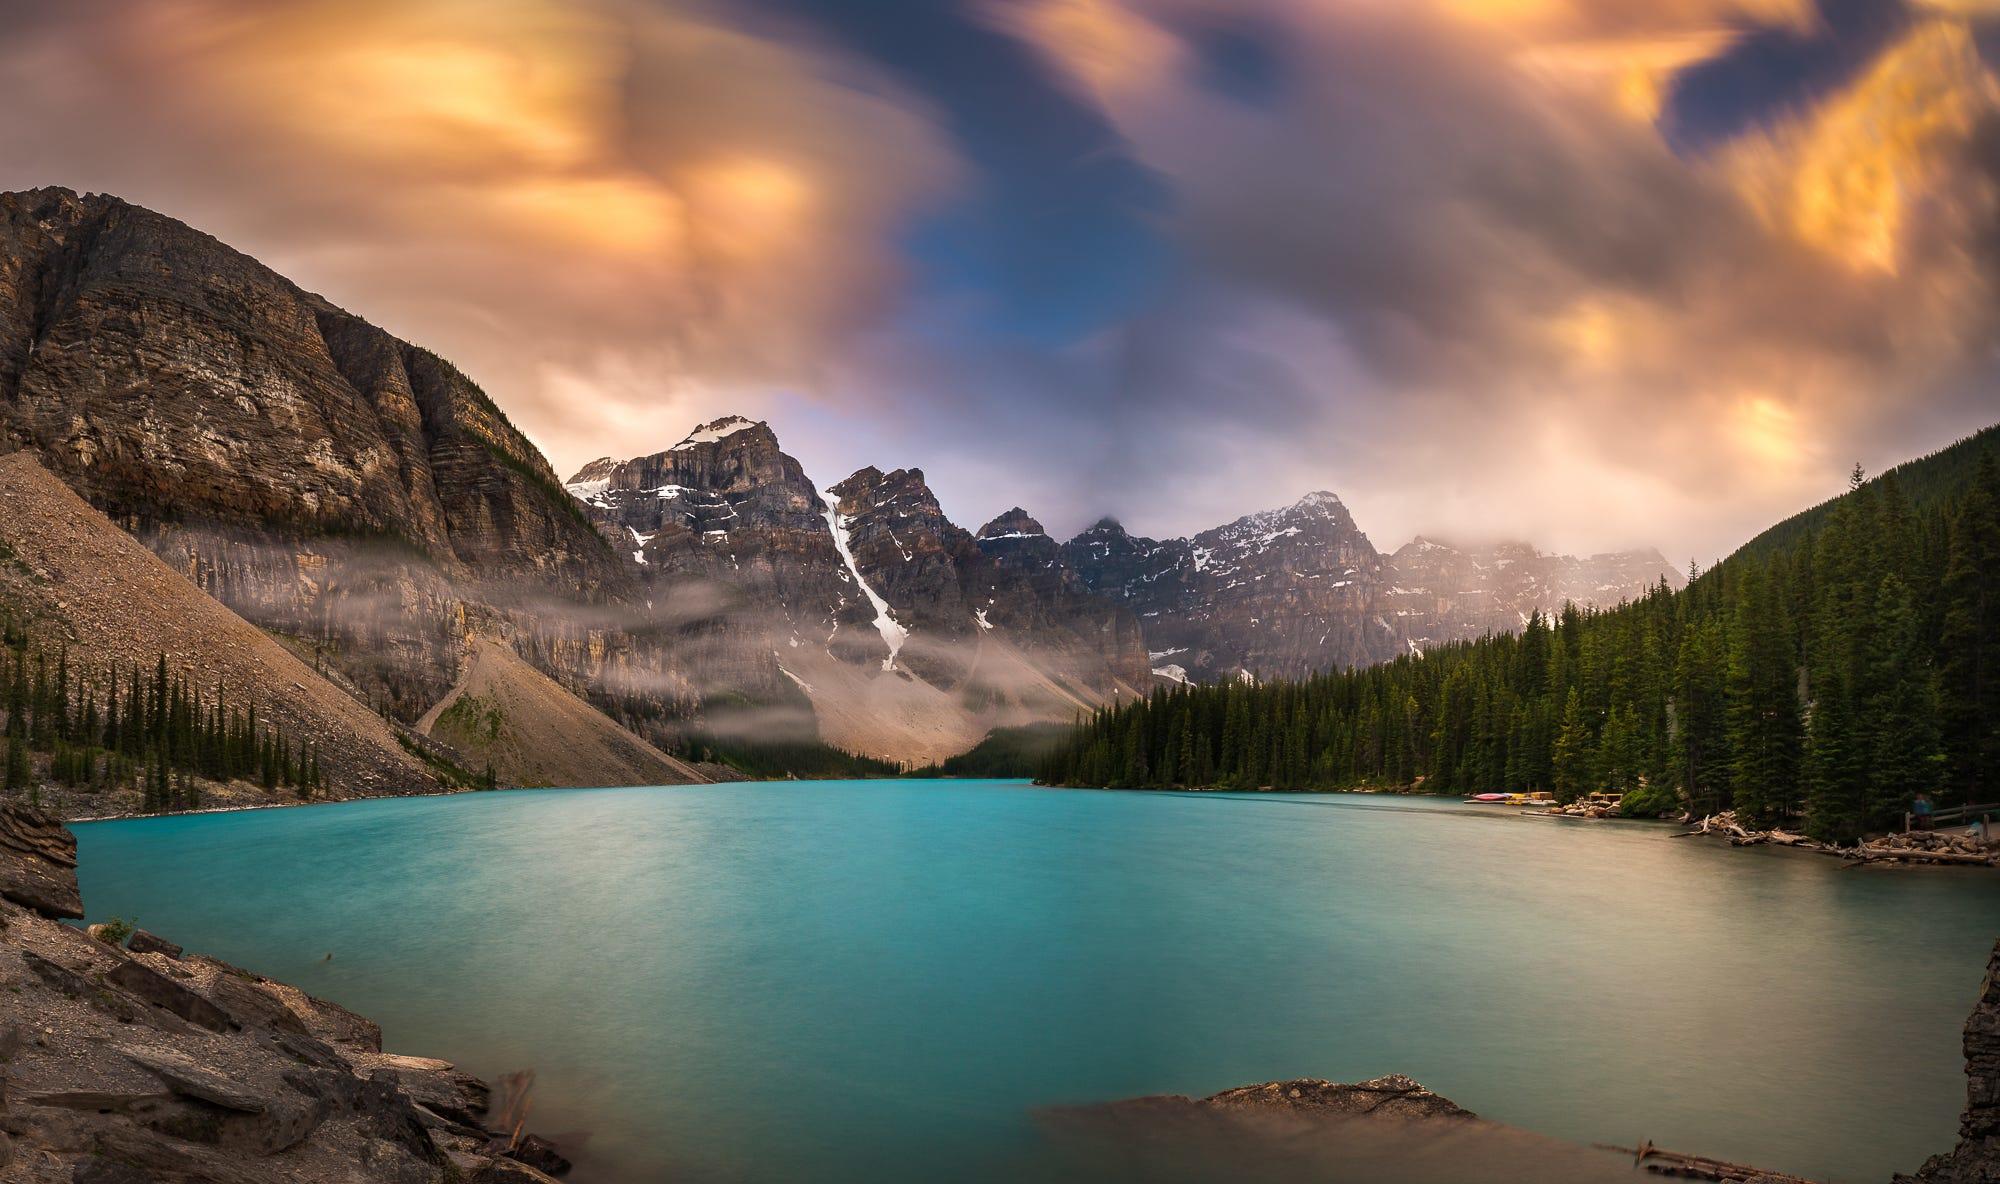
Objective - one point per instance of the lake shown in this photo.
(886, 980)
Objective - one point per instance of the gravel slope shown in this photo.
(83, 579)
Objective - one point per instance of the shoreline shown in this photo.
(145, 1061)
(136, 815)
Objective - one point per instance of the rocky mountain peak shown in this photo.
(720, 429)
(1015, 523)
(182, 386)
(899, 491)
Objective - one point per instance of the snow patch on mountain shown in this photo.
(584, 491)
(709, 433)
(892, 631)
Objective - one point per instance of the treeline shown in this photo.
(111, 728)
(772, 759)
(1831, 676)
(1005, 752)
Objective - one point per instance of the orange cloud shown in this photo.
(1846, 177)
(544, 190)
(1473, 195)
(1107, 48)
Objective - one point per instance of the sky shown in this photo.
(1589, 273)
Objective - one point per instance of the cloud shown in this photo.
(1439, 257)
(1538, 313)
(555, 193)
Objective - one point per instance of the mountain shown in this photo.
(1298, 590)
(508, 717)
(1744, 691)
(321, 477)
(360, 500)
(861, 612)
(1925, 482)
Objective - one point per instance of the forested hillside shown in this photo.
(1832, 670)
(104, 729)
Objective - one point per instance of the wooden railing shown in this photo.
(1958, 814)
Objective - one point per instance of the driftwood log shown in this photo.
(1662, 1162)
(1912, 847)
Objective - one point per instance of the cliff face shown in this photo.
(317, 475)
(864, 605)
(94, 591)
(172, 380)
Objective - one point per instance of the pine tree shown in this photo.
(1969, 707)
(1905, 756)
(1835, 760)
(1701, 742)
(1763, 711)
(18, 771)
(1571, 754)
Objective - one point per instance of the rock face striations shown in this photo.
(315, 474)
(93, 591)
(172, 380)
(142, 1062)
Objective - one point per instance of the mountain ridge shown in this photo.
(359, 497)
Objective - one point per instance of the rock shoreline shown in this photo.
(1394, 1123)
(132, 1061)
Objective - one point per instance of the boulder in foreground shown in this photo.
(138, 1064)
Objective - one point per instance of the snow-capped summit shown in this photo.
(709, 433)
(1299, 589)
(1014, 524)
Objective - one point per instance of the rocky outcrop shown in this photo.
(321, 478)
(1388, 1128)
(127, 1065)
(1394, 1096)
(1976, 1159)
(37, 862)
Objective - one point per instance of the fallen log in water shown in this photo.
(1914, 847)
(1871, 853)
(1662, 1162)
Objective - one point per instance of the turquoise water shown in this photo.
(883, 980)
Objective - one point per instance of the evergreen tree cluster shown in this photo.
(1831, 676)
(114, 728)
